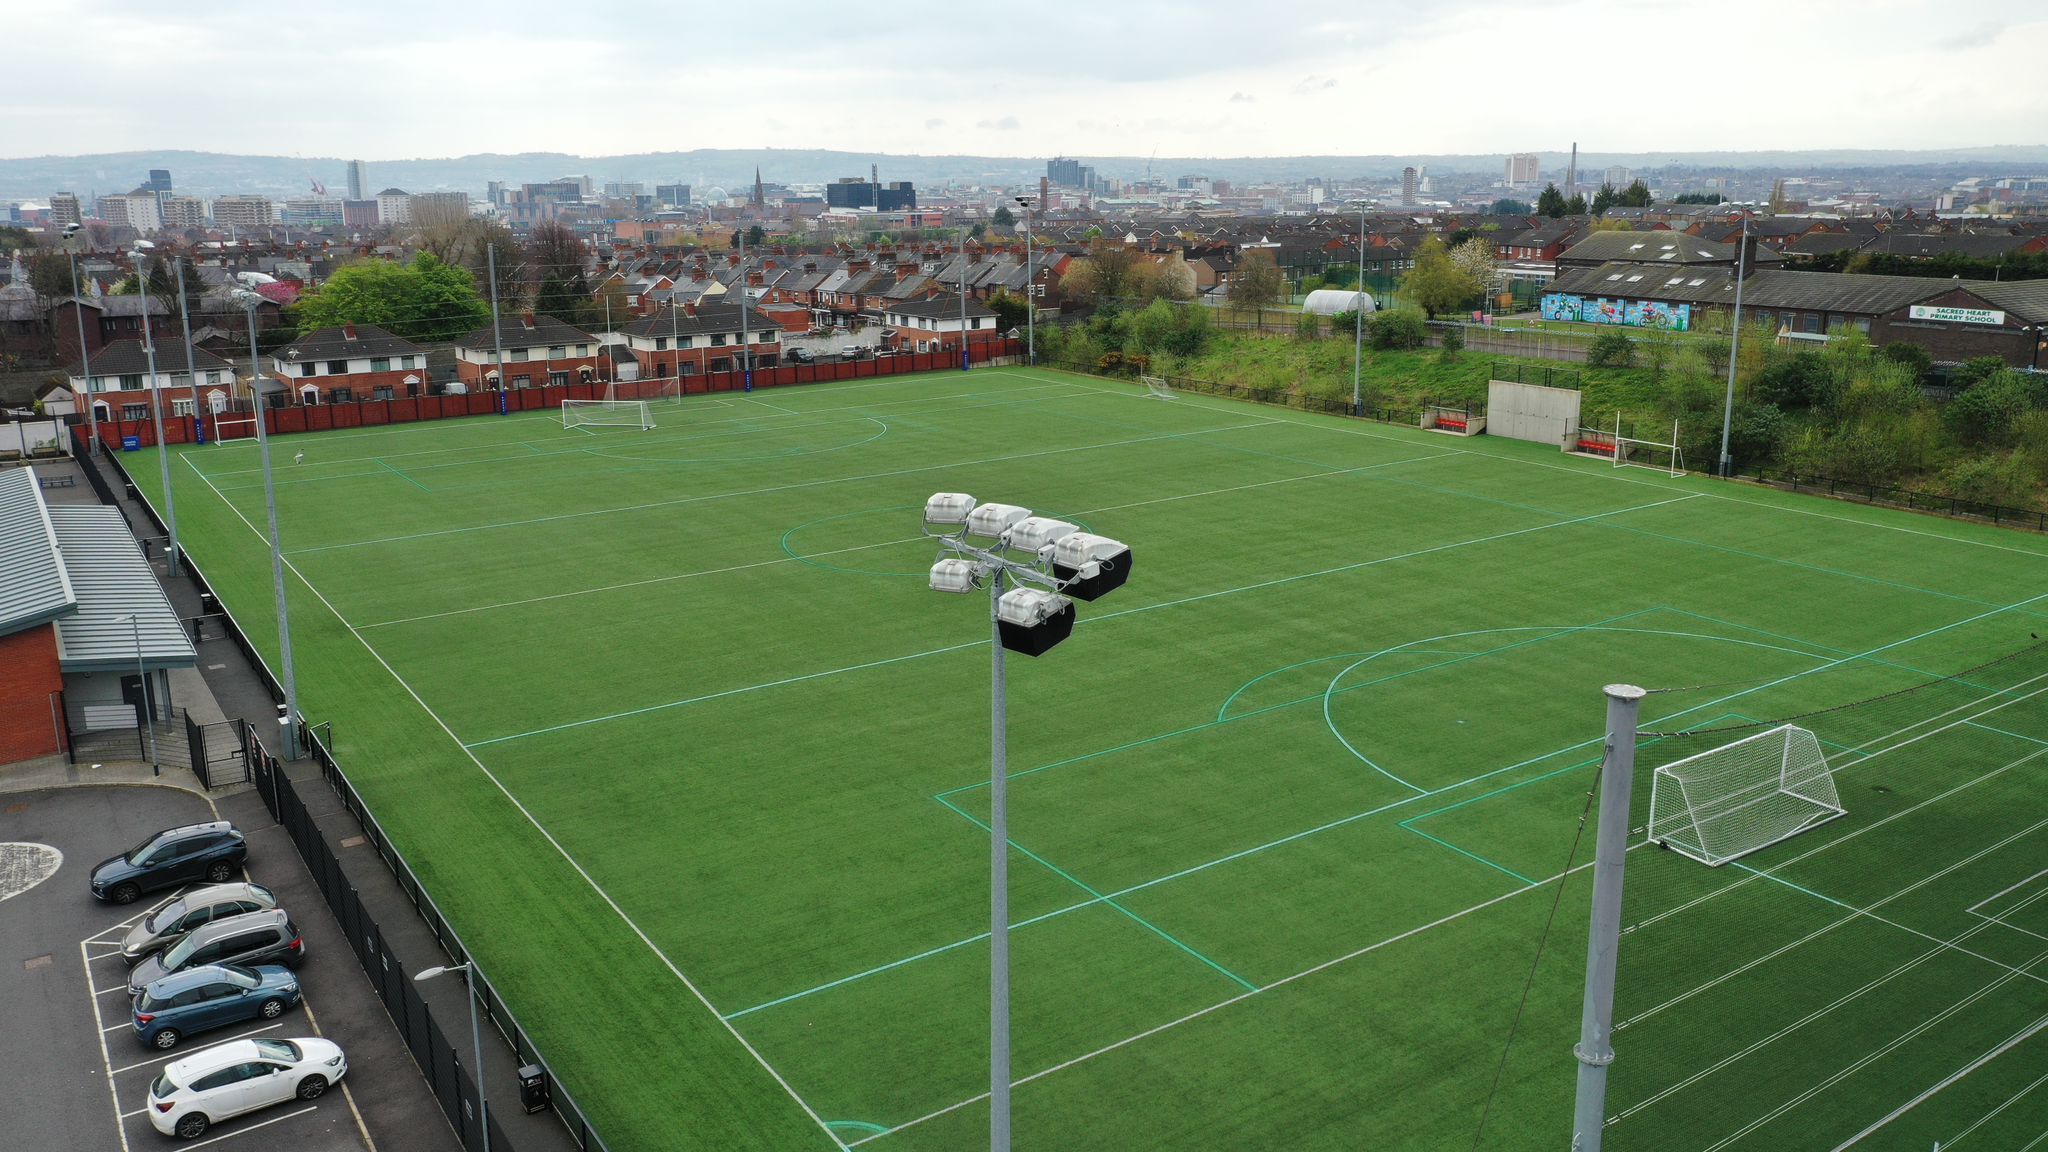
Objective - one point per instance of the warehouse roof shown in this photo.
(34, 588)
(113, 581)
(1778, 289)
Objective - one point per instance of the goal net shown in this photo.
(607, 414)
(1155, 386)
(1728, 802)
(664, 393)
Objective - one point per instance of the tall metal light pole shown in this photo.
(92, 412)
(289, 723)
(1058, 560)
(1595, 1049)
(497, 336)
(1358, 322)
(965, 359)
(746, 338)
(191, 357)
(476, 1037)
(148, 694)
(1734, 343)
(156, 409)
(1030, 288)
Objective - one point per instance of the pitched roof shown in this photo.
(348, 342)
(1649, 248)
(709, 318)
(516, 332)
(939, 308)
(113, 581)
(1779, 289)
(34, 588)
(131, 358)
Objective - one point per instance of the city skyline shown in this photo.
(1148, 76)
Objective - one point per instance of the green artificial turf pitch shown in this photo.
(664, 713)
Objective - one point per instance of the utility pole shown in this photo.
(1358, 322)
(1734, 343)
(497, 335)
(746, 338)
(1595, 1049)
(964, 359)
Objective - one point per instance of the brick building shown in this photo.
(538, 350)
(937, 325)
(121, 384)
(107, 319)
(676, 342)
(351, 362)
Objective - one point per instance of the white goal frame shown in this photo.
(586, 414)
(1671, 454)
(1799, 795)
(1156, 387)
(241, 422)
(668, 394)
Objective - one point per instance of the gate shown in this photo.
(219, 752)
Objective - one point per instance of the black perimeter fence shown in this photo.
(441, 1062)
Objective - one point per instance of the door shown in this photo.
(217, 1004)
(191, 858)
(267, 1084)
(136, 693)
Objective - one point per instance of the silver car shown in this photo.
(170, 924)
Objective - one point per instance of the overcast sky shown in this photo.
(383, 79)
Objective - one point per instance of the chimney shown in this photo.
(348, 331)
(1746, 256)
(905, 270)
(526, 319)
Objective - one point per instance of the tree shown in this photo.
(756, 236)
(1778, 201)
(1698, 198)
(1474, 257)
(1003, 217)
(1011, 310)
(975, 233)
(1259, 281)
(1576, 206)
(421, 300)
(1611, 349)
(49, 274)
(1605, 198)
(1396, 329)
(1439, 283)
(471, 246)
(1636, 195)
(1551, 203)
(1308, 326)
(553, 250)
(1510, 208)
(14, 238)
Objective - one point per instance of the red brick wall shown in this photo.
(28, 674)
(363, 385)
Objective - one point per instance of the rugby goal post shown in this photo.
(1156, 387)
(1635, 452)
(233, 426)
(587, 414)
(1727, 802)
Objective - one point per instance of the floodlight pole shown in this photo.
(92, 412)
(965, 359)
(999, 881)
(1030, 287)
(156, 412)
(1734, 344)
(1595, 1049)
(746, 338)
(497, 334)
(191, 357)
(290, 720)
(1358, 321)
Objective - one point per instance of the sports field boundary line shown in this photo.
(588, 721)
(702, 497)
(541, 828)
(2008, 1044)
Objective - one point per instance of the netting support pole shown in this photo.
(999, 877)
(1595, 1050)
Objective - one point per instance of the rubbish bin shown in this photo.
(533, 1088)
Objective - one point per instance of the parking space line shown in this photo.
(115, 988)
(250, 1128)
(113, 1095)
(347, 1095)
(115, 1028)
(210, 1043)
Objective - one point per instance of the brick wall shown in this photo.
(28, 674)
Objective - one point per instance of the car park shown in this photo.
(167, 925)
(248, 940)
(209, 996)
(228, 1080)
(213, 851)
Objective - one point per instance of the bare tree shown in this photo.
(554, 250)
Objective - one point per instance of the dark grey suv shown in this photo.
(212, 852)
(247, 940)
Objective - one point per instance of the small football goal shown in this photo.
(1156, 387)
(1727, 802)
(661, 393)
(589, 414)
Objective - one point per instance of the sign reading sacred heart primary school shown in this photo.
(1956, 315)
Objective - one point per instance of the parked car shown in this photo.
(240, 1076)
(174, 856)
(249, 939)
(209, 996)
(800, 356)
(170, 924)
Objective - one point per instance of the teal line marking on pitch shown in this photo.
(857, 1125)
(1468, 855)
(402, 476)
(1099, 897)
(1831, 650)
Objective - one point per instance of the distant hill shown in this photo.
(213, 173)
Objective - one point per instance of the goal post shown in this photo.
(661, 393)
(1636, 452)
(1156, 387)
(1727, 802)
(588, 414)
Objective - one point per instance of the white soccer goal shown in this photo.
(1156, 387)
(1633, 452)
(587, 414)
(1728, 802)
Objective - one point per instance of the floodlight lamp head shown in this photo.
(1035, 534)
(1090, 566)
(947, 510)
(990, 521)
(953, 575)
(71, 230)
(1031, 620)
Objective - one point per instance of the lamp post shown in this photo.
(1030, 288)
(92, 412)
(156, 767)
(476, 1036)
(965, 359)
(156, 409)
(1358, 321)
(289, 722)
(497, 334)
(1734, 343)
(1047, 561)
(191, 357)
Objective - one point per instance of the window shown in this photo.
(558, 379)
(686, 342)
(134, 411)
(213, 377)
(407, 361)
(688, 369)
(308, 369)
(583, 349)
(181, 407)
(661, 344)
(522, 381)
(380, 364)
(768, 337)
(383, 392)
(337, 367)
(557, 351)
(1614, 276)
(1636, 277)
(220, 1079)
(519, 355)
(717, 339)
(340, 395)
(721, 365)
(1810, 322)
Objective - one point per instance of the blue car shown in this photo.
(210, 996)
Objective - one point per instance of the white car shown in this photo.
(240, 1076)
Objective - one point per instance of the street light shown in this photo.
(1051, 563)
(92, 412)
(156, 410)
(1734, 342)
(1030, 287)
(1358, 320)
(156, 767)
(249, 301)
(476, 1036)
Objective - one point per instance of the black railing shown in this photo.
(1959, 507)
